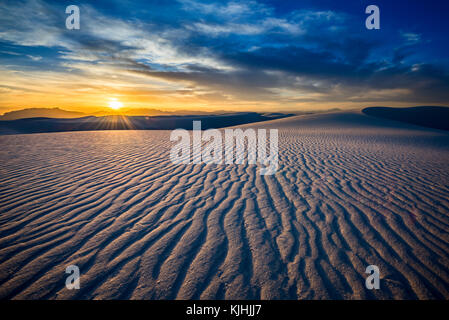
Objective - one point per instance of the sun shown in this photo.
(115, 105)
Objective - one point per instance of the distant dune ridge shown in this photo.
(39, 125)
(351, 190)
(432, 117)
(38, 120)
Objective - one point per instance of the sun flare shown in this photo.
(115, 105)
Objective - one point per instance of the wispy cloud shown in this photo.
(243, 52)
(411, 37)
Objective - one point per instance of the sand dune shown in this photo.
(431, 117)
(352, 190)
(120, 122)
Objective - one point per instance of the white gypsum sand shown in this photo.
(350, 191)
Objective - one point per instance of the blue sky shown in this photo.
(215, 55)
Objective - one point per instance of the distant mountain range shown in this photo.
(64, 114)
(41, 112)
(57, 113)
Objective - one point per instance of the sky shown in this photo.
(223, 55)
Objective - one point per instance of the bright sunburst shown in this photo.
(115, 105)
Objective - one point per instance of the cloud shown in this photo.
(34, 58)
(411, 37)
(226, 10)
(241, 51)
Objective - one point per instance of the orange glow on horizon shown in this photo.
(92, 96)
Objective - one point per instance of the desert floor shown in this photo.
(351, 191)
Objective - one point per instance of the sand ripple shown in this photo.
(350, 191)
